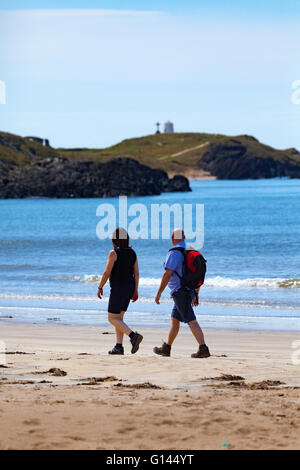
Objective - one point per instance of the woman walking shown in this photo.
(123, 273)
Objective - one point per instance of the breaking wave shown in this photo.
(148, 300)
(218, 281)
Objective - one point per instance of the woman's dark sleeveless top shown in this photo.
(122, 270)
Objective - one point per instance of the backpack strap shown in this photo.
(180, 277)
(178, 248)
(182, 250)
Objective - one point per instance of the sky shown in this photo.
(92, 73)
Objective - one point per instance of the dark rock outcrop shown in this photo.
(177, 183)
(234, 160)
(63, 178)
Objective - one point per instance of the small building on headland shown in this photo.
(44, 142)
(168, 126)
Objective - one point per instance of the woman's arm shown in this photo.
(136, 278)
(112, 257)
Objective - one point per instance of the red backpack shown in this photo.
(194, 268)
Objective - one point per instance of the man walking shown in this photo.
(183, 298)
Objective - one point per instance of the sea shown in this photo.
(51, 258)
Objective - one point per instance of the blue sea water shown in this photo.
(51, 258)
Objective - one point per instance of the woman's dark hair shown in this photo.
(120, 238)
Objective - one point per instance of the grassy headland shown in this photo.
(174, 153)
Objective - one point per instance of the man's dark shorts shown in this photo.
(120, 296)
(183, 310)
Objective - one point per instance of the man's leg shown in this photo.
(165, 349)
(197, 332)
(203, 350)
(175, 325)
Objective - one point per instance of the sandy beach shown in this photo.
(194, 174)
(246, 396)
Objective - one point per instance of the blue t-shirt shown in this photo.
(174, 261)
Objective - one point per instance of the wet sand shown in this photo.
(246, 396)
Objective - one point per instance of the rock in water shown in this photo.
(63, 178)
(178, 183)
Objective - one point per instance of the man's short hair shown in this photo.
(178, 234)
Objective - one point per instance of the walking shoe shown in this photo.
(117, 350)
(136, 341)
(164, 350)
(202, 352)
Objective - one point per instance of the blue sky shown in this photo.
(93, 73)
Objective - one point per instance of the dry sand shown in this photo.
(188, 411)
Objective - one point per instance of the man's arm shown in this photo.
(195, 300)
(163, 284)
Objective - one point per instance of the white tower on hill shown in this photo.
(168, 126)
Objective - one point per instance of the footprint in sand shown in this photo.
(243, 430)
(76, 438)
(32, 422)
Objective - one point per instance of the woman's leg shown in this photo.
(117, 322)
(119, 334)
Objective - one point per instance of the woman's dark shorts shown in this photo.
(120, 296)
(183, 310)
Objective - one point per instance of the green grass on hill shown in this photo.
(19, 151)
(156, 151)
(176, 152)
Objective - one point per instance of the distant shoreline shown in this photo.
(194, 175)
(197, 156)
(107, 328)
